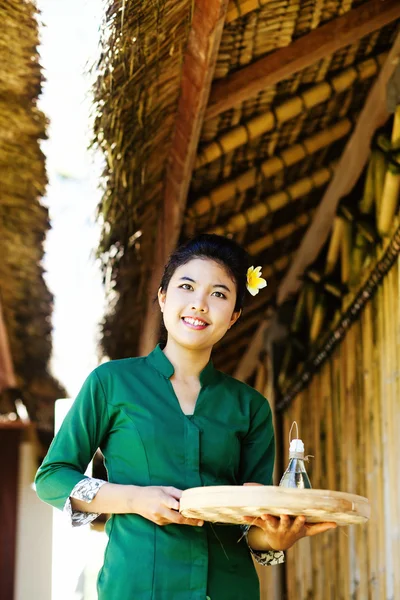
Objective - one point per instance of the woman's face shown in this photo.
(198, 306)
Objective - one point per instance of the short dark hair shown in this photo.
(230, 255)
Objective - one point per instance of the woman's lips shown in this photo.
(194, 323)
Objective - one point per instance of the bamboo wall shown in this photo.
(349, 419)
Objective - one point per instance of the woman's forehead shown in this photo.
(202, 269)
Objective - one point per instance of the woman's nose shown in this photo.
(200, 304)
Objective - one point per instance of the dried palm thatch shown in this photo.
(25, 299)
(136, 99)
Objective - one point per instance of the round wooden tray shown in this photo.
(230, 503)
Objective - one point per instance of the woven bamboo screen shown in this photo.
(349, 419)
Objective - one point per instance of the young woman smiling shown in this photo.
(167, 422)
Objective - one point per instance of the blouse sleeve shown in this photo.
(72, 449)
(257, 466)
(85, 490)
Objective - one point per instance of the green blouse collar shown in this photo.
(164, 366)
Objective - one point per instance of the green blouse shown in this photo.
(128, 409)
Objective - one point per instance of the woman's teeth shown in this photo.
(195, 322)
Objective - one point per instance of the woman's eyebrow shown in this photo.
(221, 285)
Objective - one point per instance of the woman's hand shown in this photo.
(160, 505)
(281, 533)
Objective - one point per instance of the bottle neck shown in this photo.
(299, 455)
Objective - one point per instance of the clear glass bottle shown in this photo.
(295, 475)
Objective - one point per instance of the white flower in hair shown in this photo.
(254, 280)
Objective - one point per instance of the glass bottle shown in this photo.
(295, 475)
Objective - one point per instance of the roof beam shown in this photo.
(197, 73)
(351, 164)
(323, 41)
(7, 375)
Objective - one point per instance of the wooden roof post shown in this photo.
(198, 69)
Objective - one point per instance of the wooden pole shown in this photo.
(9, 452)
(198, 68)
(7, 374)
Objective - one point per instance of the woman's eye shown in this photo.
(221, 295)
(186, 286)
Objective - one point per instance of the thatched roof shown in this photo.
(25, 300)
(265, 156)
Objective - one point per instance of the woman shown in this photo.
(167, 422)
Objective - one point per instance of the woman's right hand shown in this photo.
(160, 504)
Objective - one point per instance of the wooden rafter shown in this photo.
(198, 69)
(351, 164)
(322, 42)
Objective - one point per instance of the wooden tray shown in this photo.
(230, 503)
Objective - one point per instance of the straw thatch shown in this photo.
(266, 147)
(136, 100)
(25, 299)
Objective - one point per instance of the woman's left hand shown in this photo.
(280, 533)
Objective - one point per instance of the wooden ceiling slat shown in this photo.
(197, 73)
(268, 168)
(240, 8)
(323, 41)
(280, 234)
(275, 202)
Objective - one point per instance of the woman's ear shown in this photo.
(235, 317)
(161, 298)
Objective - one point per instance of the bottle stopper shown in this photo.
(296, 449)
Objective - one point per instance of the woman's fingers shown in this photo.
(285, 523)
(171, 503)
(174, 492)
(252, 483)
(298, 524)
(314, 528)
(174, 517)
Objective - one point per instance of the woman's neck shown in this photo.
(187, 363)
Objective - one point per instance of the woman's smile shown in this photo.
(195, 323)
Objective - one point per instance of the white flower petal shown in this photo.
(261, 283)
(253, 291)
